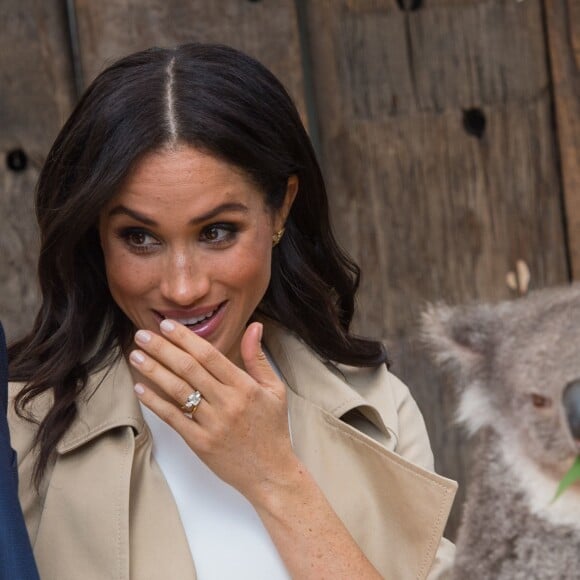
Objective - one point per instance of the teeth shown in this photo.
(191, 321)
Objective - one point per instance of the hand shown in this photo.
(240, 428)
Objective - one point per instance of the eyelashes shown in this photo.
(221, 233)
(138, 240)
(141, 241)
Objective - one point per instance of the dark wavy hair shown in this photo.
(213, 98)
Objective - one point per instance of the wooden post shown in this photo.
(37, 94)
(563, 26)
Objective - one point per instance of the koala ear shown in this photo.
(460, 336)
(463, 338)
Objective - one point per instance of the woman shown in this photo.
(187, 252)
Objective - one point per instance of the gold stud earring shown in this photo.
(277, 237)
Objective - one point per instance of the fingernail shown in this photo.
(260, 332)
(139, 389)
(167, 325)
(137, 357)
(142, 336)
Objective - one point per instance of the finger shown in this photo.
(168, 413)
(255, 360)
(225, 371)
(173, 370)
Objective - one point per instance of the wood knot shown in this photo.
(16, 160)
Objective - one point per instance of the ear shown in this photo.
(289, 197)
(461, 336)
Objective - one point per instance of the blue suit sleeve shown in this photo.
(16, 559)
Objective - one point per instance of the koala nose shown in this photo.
(571, 400)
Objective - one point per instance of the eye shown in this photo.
(540, 402)
(219, 234)
(138, 240)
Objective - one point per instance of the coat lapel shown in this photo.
(119, 512)
(393, 508)
(85, 511)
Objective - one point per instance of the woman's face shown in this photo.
(189, 237)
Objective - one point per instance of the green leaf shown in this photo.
(571, 476)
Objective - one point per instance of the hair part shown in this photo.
(171, 120)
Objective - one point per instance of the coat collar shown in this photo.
(338, 388)
(294, 360)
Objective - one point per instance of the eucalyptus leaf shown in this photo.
(571, 476)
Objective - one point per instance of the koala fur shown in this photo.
(512, 363)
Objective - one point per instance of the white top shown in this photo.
(226, 536)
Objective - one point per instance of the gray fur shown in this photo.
(501, 355)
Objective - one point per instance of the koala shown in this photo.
(516, 371)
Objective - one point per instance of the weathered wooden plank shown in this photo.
(437, 140)
(266, 30)
(563, 26)
(436, 58)
(35, 98)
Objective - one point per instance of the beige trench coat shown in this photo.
(104, 510)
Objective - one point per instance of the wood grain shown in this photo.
(36, 97)
(430, 210)
(268, 31)
(563, 26)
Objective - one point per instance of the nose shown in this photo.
(571, 401)
(184, 279)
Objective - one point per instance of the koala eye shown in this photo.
(540, 402)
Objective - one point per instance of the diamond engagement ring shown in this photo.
(192, 402)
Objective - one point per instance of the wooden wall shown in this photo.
(448, 130)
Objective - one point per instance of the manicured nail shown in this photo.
(260, 332)
(139, 389)
(137, 357)
(167, 325)
(142, 336)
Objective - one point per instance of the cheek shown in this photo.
(544, 432)
(127, 277)
(251, 273)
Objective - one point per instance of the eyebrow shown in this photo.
(212, 213)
